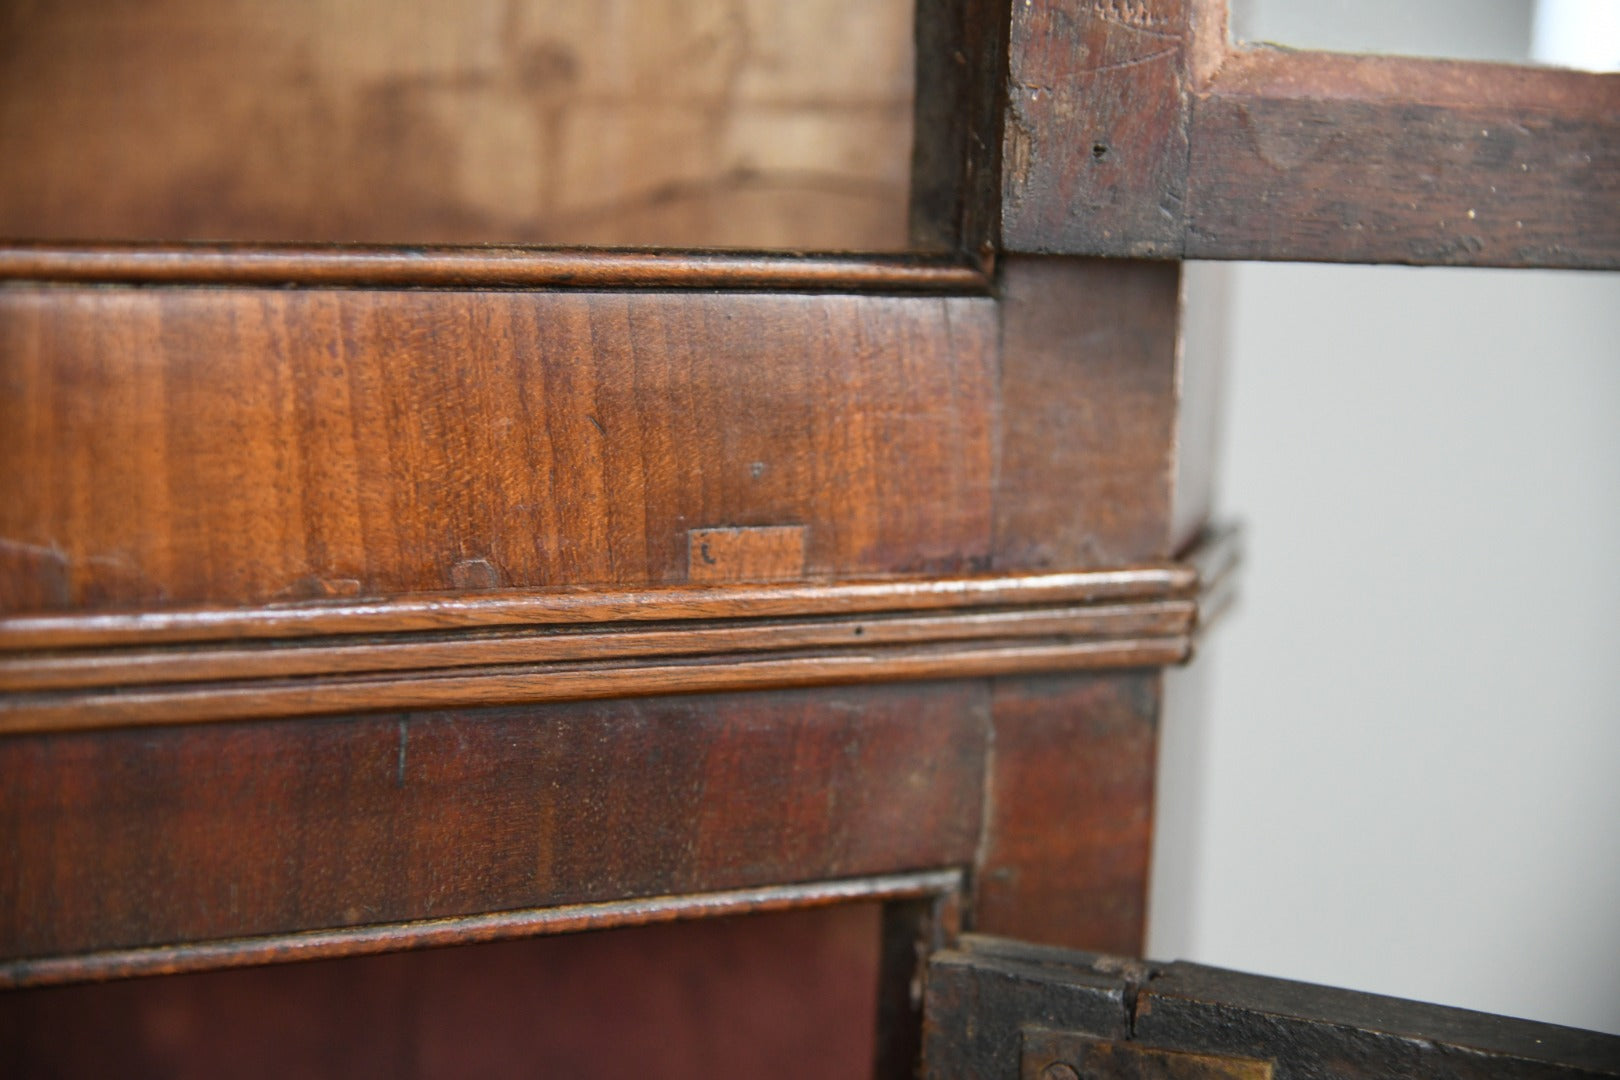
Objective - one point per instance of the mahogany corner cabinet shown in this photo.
(479, 596)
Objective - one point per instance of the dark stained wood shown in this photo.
(1010, 1009)
(1068, 811)
(1095, 140)
(789, 995)
(237, 446)
(1386, 159)
(925, 891)
(956, 138)
(480, 267)
(714, 123)
(1088, 412)
(119, 840)
(1299, 1027)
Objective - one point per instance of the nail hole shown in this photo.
(1099, 150)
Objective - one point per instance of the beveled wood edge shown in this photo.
(579, 606)
(468, 267)
(211, 662)
(584, 681)
(468, 929)
(709, 640)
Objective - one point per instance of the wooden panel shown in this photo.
(1088, 385)
(1068, 826)
(1384, 159)
(121, 839)
(1094, 149)
(754, 123)
(232, 446)
(1007, 1008)
(786, 996)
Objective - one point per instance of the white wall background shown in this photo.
(1407, 778)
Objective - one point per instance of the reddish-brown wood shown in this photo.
(1094, 146)
(788, 995)
(235, 446)
(1068, 811)
(124, 839)
(1088, 412)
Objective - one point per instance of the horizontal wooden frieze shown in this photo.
(467, 929)
(482, 267)
(576, 646)
(149, 837)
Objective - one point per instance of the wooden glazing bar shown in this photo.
(482, 267)
(1319, 156)
(466, 930)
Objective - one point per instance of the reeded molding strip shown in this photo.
(467, 929)
(78, 673)
(483, 268)
(578, 606)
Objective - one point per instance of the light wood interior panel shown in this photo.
(751, 123)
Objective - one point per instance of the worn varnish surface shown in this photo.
(235, 446)
(1387, 159)
(1094, 146)
(1000, 1008)
(1134, 128)
(789, 995)
(748, 123)
(123, 839)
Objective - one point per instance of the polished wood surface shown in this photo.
(482, 267)
(238, 446)
(125, 839)
(677, 123)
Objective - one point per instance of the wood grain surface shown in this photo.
(1094, 146)
(119, 840)
(735, 123)
(1069, 811)
(1389, 159)
(1088, 385)
(237, 446)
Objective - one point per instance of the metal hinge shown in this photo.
(1066, 1055)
